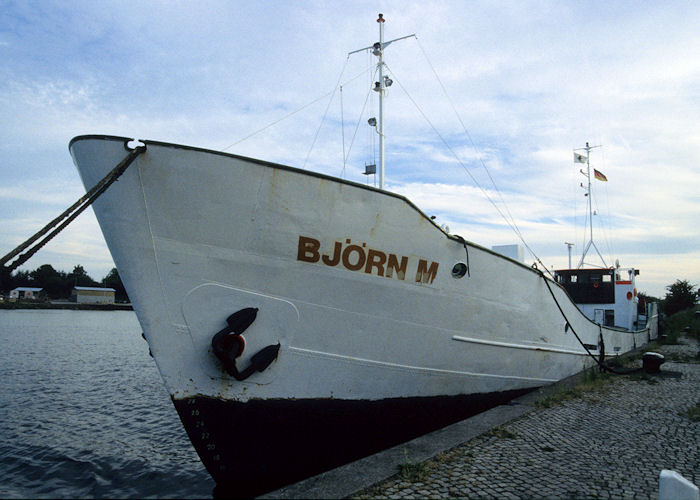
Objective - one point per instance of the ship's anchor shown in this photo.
(229, 345)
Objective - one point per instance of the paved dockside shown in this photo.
(609, 442)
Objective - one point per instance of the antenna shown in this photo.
(380, 87)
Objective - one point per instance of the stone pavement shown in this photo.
(611, 442)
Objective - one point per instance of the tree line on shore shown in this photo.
(59, 284)
(680, 295)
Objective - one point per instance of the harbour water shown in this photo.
(84, 412)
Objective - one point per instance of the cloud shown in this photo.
(529, 85)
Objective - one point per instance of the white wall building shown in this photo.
(25, 292)
(515, 252)
(92, 295)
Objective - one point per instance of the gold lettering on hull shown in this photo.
(426, 274)
(354, 257)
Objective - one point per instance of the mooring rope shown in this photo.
(599, 361)
(71, 213)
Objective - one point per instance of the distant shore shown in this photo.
(65, 305)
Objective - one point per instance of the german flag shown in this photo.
(599, 176)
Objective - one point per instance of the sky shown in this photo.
(489, 101)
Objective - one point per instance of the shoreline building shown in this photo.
(25, 293)
(92, 295)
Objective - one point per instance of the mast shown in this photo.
(591, 243)
(379, 52)
(380, 87)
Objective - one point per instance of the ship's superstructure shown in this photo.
(607, 295)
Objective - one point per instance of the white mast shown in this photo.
(379, 52)
(380, 87)
(590, 209)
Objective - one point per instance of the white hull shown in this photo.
(197, 235)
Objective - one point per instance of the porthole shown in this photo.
(459, 270)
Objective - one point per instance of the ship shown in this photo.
(300, 321)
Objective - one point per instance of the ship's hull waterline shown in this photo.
(386, 325)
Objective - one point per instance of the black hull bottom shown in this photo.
(259, 446)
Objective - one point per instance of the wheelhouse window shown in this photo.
(609, 317)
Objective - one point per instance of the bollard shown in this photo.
(652, 361)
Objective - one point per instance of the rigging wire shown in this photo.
(337, 84)
(609, 241)
(372, 131)
(580, 230)
(466, 132)
(275, 122)
(371, 77)
(510, 220)
(606, 228)
(357, 126)
(602, 223)
(511, 223)
(342, 128)
(574, 196)
(584, 234)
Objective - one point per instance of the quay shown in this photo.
(611, 440)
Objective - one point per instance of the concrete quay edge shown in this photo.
(356, 476)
